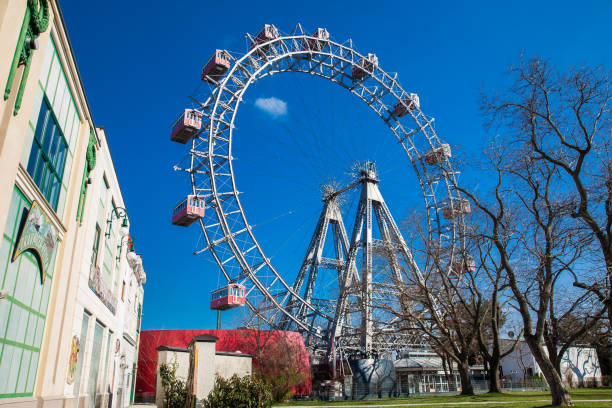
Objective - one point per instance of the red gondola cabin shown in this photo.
(267, 33)
(438, 155)
(228, 297)
(318, 42)
(186, 126)
(411, 102)
(216, 66)
(460, 206)
(463, 265)
(364, 67)
(188, 211)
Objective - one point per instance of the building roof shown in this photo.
(170, 348)
(204, 338)
(236, 354)
(419, 363)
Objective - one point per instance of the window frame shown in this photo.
(96, 245)
(48, 154)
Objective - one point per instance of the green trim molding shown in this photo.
(35, 21)
(90, 164)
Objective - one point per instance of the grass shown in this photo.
(526, 399)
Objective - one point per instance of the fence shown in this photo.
(351, 390)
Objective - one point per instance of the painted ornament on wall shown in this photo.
(38, 236)
(72, 362)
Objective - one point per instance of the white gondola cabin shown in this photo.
(188, 211)
(228, 297)
(216, 66)
(364, 67)
(437, 155)
(267, 33)
(411, 102)
(460, 206)
(318, 42)
(186, 126)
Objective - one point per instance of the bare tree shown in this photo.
(491, 290)
(538, 246)
(563, 118)
(444, 307)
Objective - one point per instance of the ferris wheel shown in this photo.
(208, 128)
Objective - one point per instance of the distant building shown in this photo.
(423, 371)
(579, 365)
(70, 297)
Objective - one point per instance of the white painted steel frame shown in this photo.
(229, 236)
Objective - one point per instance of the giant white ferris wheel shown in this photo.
(347, 319)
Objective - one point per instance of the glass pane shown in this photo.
(33, 160)
(61, 158)
(53, 146)
(40, 171)
(48, 135)
(42, 118)
(45, 186)
(95, 364)
(55, 189)
(81, 355)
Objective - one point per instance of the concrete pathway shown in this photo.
(436, 404)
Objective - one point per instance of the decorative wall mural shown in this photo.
(38, 236)
(72, 362)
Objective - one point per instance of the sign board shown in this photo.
(38, 236)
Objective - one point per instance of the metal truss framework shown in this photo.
(367, 297)
(229, 236)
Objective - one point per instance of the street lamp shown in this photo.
(118, 213)
(131, 254)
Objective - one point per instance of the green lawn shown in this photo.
(527, 399)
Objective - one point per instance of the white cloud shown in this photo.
(272, 105)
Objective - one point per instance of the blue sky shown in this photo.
(141, 60)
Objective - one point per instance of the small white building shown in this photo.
(579, 365)
(199, 365)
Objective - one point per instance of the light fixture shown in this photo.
(124, 230)
(117, 213)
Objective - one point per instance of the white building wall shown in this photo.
(181, 359)
(117, 362)
(578, 365)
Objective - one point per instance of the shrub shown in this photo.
(175, 389)
(239, 392)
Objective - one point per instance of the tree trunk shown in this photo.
(466, 380)
(494, 384)
(560, 396)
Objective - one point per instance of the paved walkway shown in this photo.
(435, 404)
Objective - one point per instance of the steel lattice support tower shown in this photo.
(356, 328)
(392, 245)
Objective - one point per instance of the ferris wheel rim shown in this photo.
(244, 62)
